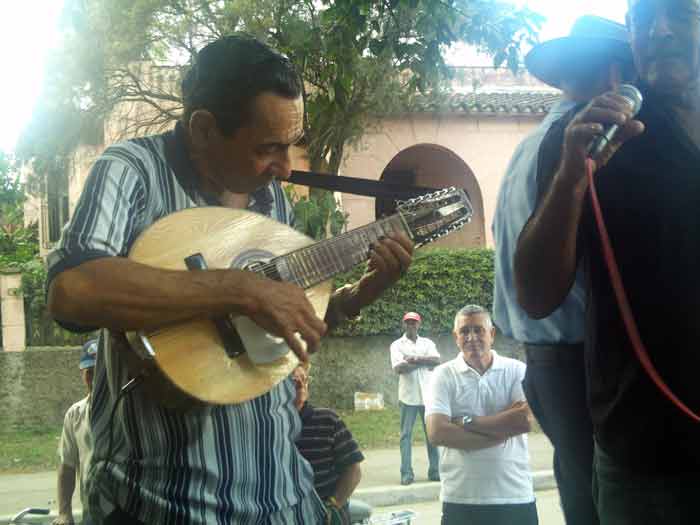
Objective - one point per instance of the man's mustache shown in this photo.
(665, 53)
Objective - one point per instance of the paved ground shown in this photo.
(429, 513)
(381, 466)
(379, 487)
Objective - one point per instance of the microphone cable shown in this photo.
(623, 303)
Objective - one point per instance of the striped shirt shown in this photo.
(328, 445)
(217, 464)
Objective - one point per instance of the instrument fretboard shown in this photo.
(319, 262)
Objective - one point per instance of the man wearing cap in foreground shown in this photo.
(413, 358)
(76, 444)
(595, 58)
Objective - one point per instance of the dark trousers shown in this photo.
(624, 497)
(555, 387)
(407, 418)
(456, 514)
(119, 517)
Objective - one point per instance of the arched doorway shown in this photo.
(434, 166)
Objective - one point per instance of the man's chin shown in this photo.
(669, 77)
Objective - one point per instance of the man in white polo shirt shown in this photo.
(413, 358)
(476, 411)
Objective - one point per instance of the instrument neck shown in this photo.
(324, 260)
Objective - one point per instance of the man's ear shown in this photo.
(202, 127)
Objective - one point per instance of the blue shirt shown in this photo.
(516, 202)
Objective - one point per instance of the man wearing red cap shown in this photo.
(413, 358)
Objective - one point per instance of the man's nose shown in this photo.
(283, 166)
(614, 77)
(660, 28)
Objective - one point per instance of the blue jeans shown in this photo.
(408, 414)
(625, 497)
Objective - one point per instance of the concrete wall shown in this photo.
(38, 386)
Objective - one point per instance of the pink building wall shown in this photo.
(484, 142)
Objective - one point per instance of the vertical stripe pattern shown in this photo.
(224, 464)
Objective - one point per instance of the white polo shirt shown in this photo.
(496, 475)
(413, 386)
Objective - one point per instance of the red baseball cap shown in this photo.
(412, 316)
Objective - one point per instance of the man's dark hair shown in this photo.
(227, 74)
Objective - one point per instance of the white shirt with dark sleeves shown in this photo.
(75, 447)
(413, 385)
(495, 475)
(218, 464)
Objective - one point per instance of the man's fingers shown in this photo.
(582, 134)
(396, 250)
(614, 101)
(403, 240)
(376, 261)
(296, 345)
(604, 116)
(632, 129)
(402, 251)
(391, 262)
(311, 335)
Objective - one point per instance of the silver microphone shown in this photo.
(634, 97)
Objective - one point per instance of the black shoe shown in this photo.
(433, 477)
(406, 480)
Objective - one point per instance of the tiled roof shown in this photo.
(518, 103)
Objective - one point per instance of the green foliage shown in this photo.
(19, 245)
(378, 428)
(439, 282)
(29, 450)
(358, 58)
(319, 215)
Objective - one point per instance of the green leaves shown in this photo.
(358, 58)
(439, 282)
(18, 244)
(319, 216)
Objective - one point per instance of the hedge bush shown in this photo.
(439, 282)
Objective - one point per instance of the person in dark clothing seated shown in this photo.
(327, 444)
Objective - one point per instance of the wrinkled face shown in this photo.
(410, 326)
(665, 39)
(301, 381)
(474, 336)
(259, 151)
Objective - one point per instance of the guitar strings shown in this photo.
(269, 269)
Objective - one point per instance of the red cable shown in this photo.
(623, 303)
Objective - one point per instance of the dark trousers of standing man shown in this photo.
(555, 388)
(517, 514)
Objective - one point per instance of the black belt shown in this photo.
(554, 353)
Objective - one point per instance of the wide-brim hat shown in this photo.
(592, 40)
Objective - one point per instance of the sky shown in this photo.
(28, 30)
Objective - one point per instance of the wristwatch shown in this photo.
(466, 420)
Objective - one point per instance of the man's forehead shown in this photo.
(279, 119)
(669, 3)
(475, 319)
